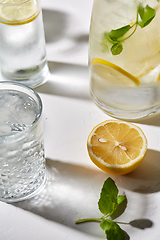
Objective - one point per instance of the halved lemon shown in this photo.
(117, 147)
(17, 12)
(112, 73)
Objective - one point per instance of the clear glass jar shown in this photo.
(124, 57)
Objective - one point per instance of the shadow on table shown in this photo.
(67, 80)
(55, 23)
(72, 191)
(66, 196)
(145, 179)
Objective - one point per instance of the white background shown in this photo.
(74, 182)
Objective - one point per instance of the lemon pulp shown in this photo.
(117, 147)
(18, 12)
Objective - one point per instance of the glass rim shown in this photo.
(13, 4)
(38, 101)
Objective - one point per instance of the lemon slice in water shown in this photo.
(112, 73)
(17, 12)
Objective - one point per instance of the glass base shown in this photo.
(28, 195)
(126, 114)
(32, 79)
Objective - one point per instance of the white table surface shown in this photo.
(73, 181)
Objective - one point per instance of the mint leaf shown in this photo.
(104, 44)
(120, 199)
(106, 38)
(146, 14)
(112, 230)
(120, 32)
(117, 48)
(108, 197)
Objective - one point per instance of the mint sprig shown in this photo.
(116, 37)
(108, 203)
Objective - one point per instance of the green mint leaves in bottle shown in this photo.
(116, 37)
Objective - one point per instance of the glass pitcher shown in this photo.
(124, 57)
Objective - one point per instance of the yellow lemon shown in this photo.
(113, 73)
(17, 12)
(117, 147)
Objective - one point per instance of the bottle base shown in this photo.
(126, 114)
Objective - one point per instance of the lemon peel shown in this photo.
(109, 70)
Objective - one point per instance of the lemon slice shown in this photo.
(113, 73)
(17, 12)
(117, 147)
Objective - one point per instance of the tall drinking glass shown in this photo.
(124, 57)
(22, 42)
(22, 161)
